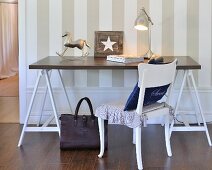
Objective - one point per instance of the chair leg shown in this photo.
(102, 136)
(134, 138)
(138, 148)
(167, 136)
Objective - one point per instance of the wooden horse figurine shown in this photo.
(68, 43)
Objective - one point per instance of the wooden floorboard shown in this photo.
(9, 100)
(9, 86)
(9, 109)
(40, 151)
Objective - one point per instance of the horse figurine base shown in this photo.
(68, 43)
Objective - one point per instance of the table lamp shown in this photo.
(144, 22)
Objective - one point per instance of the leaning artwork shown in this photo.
(108, 43)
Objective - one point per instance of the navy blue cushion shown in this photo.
(132, 101)
(151, 96)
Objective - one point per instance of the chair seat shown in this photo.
(115, 114)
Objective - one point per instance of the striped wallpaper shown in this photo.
(181, 27)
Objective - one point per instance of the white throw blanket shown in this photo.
(115, 114)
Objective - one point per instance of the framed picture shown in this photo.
(108, 43)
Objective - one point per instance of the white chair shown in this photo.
(149, 76)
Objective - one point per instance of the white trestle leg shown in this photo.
(43, 103)
(65, 92)
(190, 90)
(178, 101)
(55, 115)
(200, 107)
(52, 101)
(30, 108)
(188, 75)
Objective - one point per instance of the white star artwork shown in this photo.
(108, 44)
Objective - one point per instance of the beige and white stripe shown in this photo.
(92, 26)
(105, 24)
(180, 32)
(167, 28)
(42, 28)
(181, 27)
(142, 36)
(80, 31)
(193, 31)
(205, 42)
(68, 26)
(130, 39)
(156, 16)
(117, 25)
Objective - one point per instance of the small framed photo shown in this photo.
(108, 43)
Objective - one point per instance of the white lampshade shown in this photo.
(141, 22)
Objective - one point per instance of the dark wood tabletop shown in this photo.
(90, 62)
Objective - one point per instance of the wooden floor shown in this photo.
(9, 109)
(9, 87)
(9, 100)
(40, 151)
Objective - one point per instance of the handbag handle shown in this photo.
(79, 104)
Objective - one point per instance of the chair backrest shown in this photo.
(151, 75)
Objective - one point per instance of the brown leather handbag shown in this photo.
(80, 131)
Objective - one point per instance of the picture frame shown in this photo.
(108, 43)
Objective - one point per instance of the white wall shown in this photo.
(181, 27)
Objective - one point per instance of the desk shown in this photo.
(185, 63)
(54, 62)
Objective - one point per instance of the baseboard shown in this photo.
(102, 95)
(34, 118)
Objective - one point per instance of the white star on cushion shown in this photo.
(108, 44)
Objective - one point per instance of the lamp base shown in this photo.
(148, 54)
